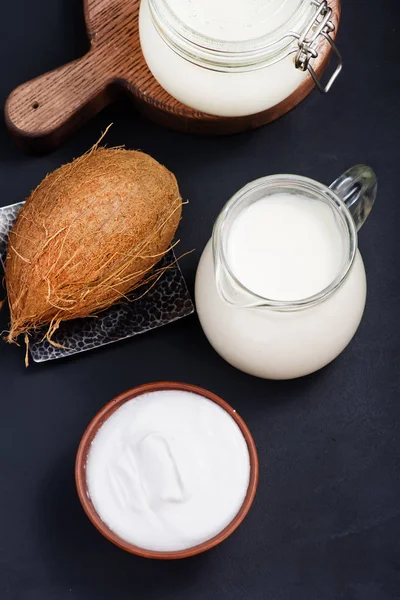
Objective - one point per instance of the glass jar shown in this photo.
(278, 339)
(232, 58)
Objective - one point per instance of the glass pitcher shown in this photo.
(281, 339)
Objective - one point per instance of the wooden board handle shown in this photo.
(65, 98)
(69, 96)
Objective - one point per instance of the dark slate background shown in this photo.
(326, 521)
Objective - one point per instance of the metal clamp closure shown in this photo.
(308, 41)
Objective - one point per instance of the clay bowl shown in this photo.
(97, 422)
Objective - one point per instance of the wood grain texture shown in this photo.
(44, 112)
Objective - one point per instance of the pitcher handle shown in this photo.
(357, 188)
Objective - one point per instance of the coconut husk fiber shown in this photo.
(89, 234)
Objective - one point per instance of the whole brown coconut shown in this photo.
(90, 233)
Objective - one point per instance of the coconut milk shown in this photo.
(229, 93)
(168, 470)
(283, 248)
(234, 20)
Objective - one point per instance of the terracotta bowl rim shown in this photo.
(104, 414)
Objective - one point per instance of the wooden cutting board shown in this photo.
(44, 112)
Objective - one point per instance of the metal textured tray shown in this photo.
(167, 301)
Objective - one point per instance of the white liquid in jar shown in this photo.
(230, 93)
(285, 247)
(168, 470)
(234, 20)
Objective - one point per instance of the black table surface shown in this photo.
(326, 520)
